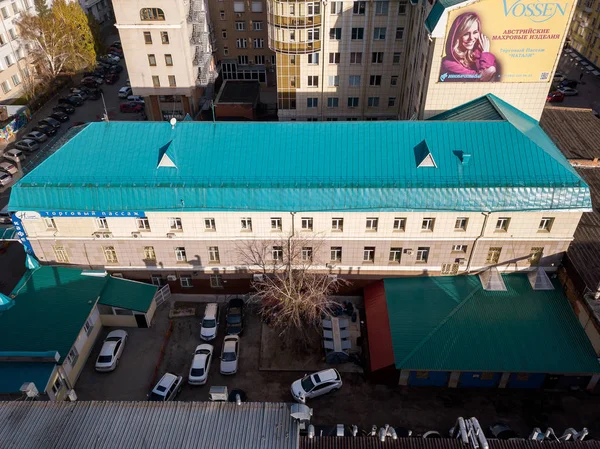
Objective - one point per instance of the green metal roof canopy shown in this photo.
(450, 323)
(328, 166)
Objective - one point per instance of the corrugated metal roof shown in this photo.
(480, 109)
(305, 167)
(127, 294)
(14, 374)
(145, 425)
(381, 352)
(575, 131)
(453, 324)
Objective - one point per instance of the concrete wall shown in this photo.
(118, 320)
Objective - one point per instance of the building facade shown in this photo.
(585, 30)
(168, 51)
(100, 9)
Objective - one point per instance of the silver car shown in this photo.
(200, 364)
(111, 351)
(27, 145)
(230, 354)
(316, 384)
(8, 167)
(37, 136)
(5, 178)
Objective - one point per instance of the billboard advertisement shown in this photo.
(506, 41)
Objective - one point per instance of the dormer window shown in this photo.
(152, 14)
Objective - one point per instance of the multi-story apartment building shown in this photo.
(242, 49)
(100, 9)
(459, 50)
(14, 66)
(168, 51)
(340, 60)
(365, 199)
(585, 30)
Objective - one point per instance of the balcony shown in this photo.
(295, 47)
(295, 22)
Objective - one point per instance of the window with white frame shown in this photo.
(359, 7)
(213, 254)
(493, 256)
(332, 102)
(396, 58)
(459, 248)
(307, 253)
(149, 253)
(546, 224)
(356, 34)
(381, 8)
(334, 58)
(399, 224)
(427, 224)
(422, 254)
(72, 356)
(243, 59)
(399, 33)
(312, 102)
(246, 223)
(57, 385)
(379, 33)
(180, 255)
(275, 223)
(257, 25)
(143, 224)
(356, 57)
(352, 102)
(395, 254)
(216, 281)
(186, 281)
(313, 9)
(156, 279)
(110, 254)
(371, 224)
(50, 223)
(336, 254)
(307, 224)
(354, 80)
(259, 59)
(369, 254)
(402, 7)
(259, 43)
(175, 224)
(337, 224)
(313, 58)
(257, 7)
(313, 81)
(461, 224)
(334, 80)
(209, 224)
(373, 102)
(277, 253)
(241, 43)
(336, 7)
(502, 224)
(61, 254)
(240, 25)
(88, 326)
(101, 223)
(375, 80)
(313, 34)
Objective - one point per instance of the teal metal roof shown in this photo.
(450, 323)
(333, 166)
(436, 12)
(480, 109)
(128, 294)
(15, 374)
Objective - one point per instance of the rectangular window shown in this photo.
(334, 58)
(336, 253)
(168, 60)
(175, 224)
(239, 7)
(356, 57)
(172, 82)
(307, 224)
(395, 254)
(257, 7)
(459, 248)
(394, 80)
(15, 8)
(334, 80)
(307, 253)
(546, 224)
(101, 223)
(397, 57)
(259, 43)
(427, 224)
(352, 102)
(222, 15)
(313, 58)
(216, 281)
(180, 255)
(336, 7)
(381, 8)
(210, 224)
(257, 25)
(9, 60)
(375, 80)
(72, 356)
(57, 385)
(402, 7)
(276, 224)
(461, 224)
(147, 37)
(246, 223)
(155, 81)
(379, 34)
(259, 59)
(292, 35)
(226, 51)
(391, 101)
(371, 224)
(186, 281)
(502, 224)
(12, 33)
(333, 102)
(240, 26)
(50, 223)
(399, 33)
(152, 60)
(277, 253)
(337, 224)
(399, 224)
(243, 60)
(313, 81)
(423, 254)
(335, 34)
(377, 57)
(313, 9)
(213, 254)
(164, 37)
(536, 255)
(61, 254)
(359, 8)
(5, 13)
(493, 256)
(149, 253)
(354, 80)
(110, 255)
(241, 43)
(143, 224)
(369, 254)
(357, 34)
(15, 79)
(312, 102)
(156, 279)
(373, 102)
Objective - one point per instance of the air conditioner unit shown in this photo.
(171, 277)
(408, 251)
(461, 261)
(136, 235)
(258, 277)
(171, 235)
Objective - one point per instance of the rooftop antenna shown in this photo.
(105, 116)
(173, 122)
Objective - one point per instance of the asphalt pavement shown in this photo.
(588, 85)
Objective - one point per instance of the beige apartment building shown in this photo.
(168, 50)
(585, 30)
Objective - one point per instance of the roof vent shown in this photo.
(539, 280)
(464, 158)
(491, 280)
(166, 156)
(423, 156)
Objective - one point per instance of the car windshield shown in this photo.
(197, 372)
(307, 384)
(229, 356)
(156, 397)
(104, 359)
(209, 323)
(234, 319)
(113, 339)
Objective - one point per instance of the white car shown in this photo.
(135, 99)
(316, 384)
(111, 351)
(27, 145)
(167, 388)
(230, 354)
(8, 167)
(210, 322)
(200, 364)
(124, 92)
(568, 91)
(15, 155)
(5, 178)
(37, 136)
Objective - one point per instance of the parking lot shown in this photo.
(588, 87)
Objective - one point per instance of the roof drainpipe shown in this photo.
(486, 215)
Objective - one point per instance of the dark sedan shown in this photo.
(50, 122)
(111, 78)
(46, 129)
(60, 116)
(64, 107)
(73, 101)
(235, 316)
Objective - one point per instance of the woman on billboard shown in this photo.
(468, 56)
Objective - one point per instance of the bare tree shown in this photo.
(295, 288)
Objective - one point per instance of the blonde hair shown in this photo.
(465, 57)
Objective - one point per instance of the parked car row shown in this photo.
(565, 88)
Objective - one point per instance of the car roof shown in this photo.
(166, 381)
(108, 348)
(236, 302)
(325, 375)
(229, 343)
(14, 151)
(6, 164)
(124, 88)
(211, 309)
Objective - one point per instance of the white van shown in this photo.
(210, 322)
(5, 216)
